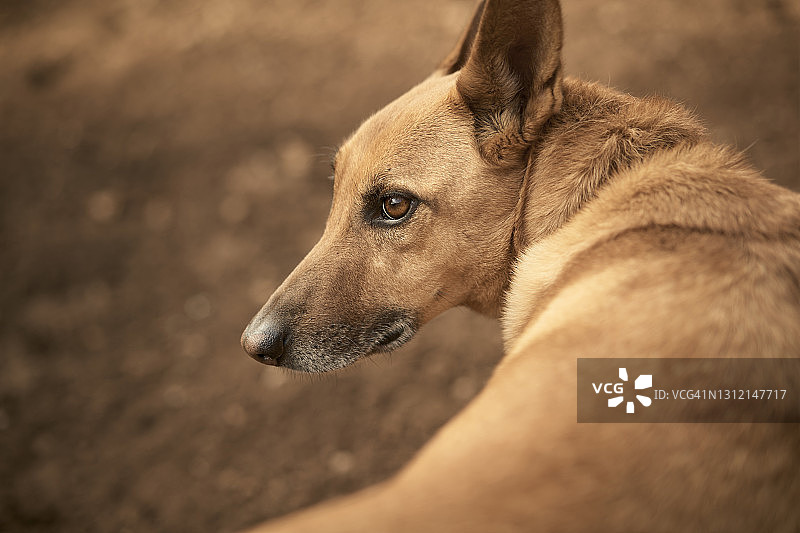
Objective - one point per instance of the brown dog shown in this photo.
(597, 225)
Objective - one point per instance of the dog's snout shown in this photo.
(264, 340)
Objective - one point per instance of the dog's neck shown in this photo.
(597, 133)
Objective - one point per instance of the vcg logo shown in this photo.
(644, 381)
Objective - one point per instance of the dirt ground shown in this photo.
(162, 168)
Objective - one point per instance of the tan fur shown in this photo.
(608, 226)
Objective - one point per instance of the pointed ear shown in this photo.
(510, 73)
(458, 55)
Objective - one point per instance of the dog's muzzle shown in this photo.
(281, 338)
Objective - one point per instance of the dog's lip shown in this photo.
(392, 335)
(395, 336)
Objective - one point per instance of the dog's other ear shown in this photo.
(509, 63)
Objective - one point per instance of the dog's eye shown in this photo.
(395, 206)
(386, 209)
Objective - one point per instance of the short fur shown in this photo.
(598, 225)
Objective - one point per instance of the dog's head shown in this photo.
(425, 199)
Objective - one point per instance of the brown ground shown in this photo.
(162, 169)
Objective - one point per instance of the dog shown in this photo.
(594, 224)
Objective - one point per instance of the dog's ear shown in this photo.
(509, 63)
(458, 56)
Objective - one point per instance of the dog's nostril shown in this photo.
(265, 344)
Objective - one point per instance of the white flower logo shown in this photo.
(644, 381)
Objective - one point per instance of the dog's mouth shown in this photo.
(393, 337)
(340, 344)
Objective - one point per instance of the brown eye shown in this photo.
(395, 206)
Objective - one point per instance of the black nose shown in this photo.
(264, 340)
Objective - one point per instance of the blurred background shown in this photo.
(162, 169)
